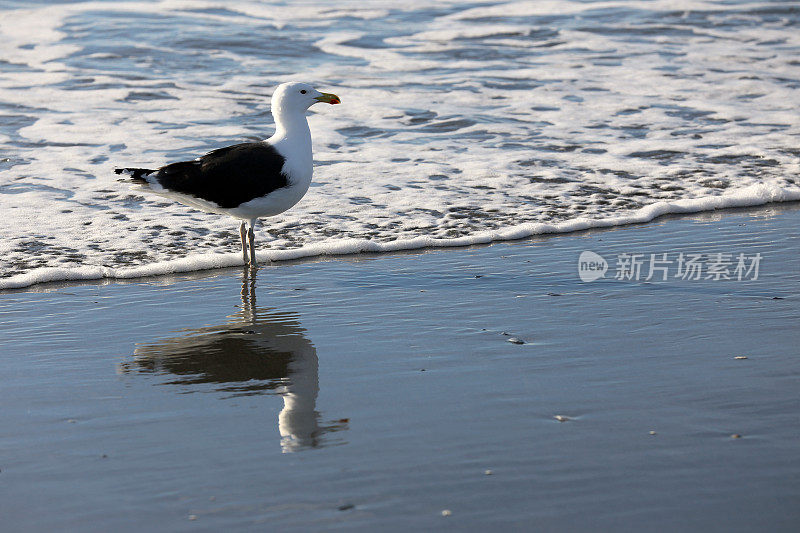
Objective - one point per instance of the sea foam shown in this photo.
(751, 196)
(470, 123)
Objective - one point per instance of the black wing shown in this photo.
(229, 176)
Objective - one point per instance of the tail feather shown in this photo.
(136, 174)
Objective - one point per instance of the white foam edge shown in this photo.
(753, 195)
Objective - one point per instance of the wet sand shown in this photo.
(382, 392)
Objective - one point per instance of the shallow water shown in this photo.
(459, 118)
(374, 392)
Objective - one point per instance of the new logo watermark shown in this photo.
(591, 266)
(672, 265)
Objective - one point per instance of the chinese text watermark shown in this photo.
(672, 265)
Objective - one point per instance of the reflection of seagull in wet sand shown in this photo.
(253, 353)
(249, 180)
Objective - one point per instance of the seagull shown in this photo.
(249, 180)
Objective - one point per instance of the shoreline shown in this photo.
(751, 197)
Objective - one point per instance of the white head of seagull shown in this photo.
(291, 100)
(248, 180)
(292, 137)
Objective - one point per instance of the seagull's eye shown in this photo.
(303, 91)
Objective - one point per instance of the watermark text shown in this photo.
(672, 265)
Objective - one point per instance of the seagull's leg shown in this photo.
(252, 237)
(243, 235)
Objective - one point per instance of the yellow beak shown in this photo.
(328, 98)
